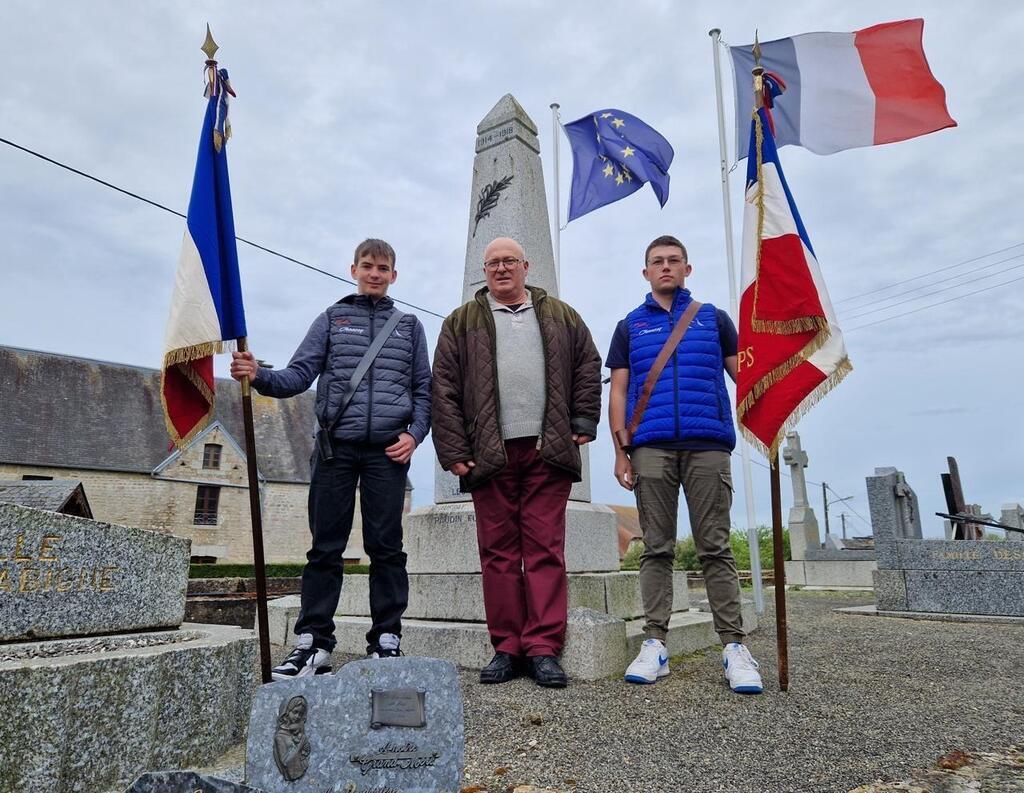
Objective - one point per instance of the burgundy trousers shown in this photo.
(520, 527)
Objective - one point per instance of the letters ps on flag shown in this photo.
(206, 314)
(791, 351)
(613, 155)
(845, 90)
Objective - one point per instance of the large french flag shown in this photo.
(845, 90)
(791, 351)
(206, 314)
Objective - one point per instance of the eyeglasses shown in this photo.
(508, 262)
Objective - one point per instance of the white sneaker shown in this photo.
(303, 661)
(387, 647)
(741, 669)
(650, 664)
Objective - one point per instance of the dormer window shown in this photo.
(211, 455)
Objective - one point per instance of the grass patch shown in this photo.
(278, 570)
(686, 551)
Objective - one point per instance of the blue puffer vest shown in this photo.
(690, 400)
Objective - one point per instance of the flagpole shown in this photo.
(778, 557)
(781, 640)
(748, 485)
(256, 511)
(556, 232)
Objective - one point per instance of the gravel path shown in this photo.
(870, 698)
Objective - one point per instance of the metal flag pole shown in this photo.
(556, 231)
(781, 640)
(748, 485)
(210, 49)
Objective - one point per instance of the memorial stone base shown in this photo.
(445, 618)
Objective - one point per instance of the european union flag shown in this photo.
(613, 155)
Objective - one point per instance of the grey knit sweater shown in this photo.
(521, 386)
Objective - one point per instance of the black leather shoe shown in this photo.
(502, 668)
(545, 670)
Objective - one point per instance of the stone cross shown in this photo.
(796, 459)
(802, 524)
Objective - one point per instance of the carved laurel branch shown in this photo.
(489, 197)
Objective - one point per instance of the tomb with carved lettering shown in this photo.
(99, 677)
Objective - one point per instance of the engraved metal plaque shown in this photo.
(397, 707)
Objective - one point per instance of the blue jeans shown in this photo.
(332, 494)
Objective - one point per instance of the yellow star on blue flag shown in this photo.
(614, 154)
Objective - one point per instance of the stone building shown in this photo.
(101, 424)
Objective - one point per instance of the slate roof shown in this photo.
(66, 496)
(60, 411)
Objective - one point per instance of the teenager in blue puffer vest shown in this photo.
(685, 437)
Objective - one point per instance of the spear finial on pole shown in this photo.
(210, 48)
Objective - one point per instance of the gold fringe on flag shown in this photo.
(786, 327)
(843, 368)
(179, 359)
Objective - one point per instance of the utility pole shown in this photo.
(842, 517)
(824, 501)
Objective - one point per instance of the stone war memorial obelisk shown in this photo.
(445, 617)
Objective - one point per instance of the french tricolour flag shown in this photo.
(206, 309)
(791, 351)
(845, 90)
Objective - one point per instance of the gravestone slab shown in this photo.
(185, 782)
(1012, 514)
(392, 725)
(68, 576)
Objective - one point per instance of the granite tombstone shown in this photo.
(393, 725)
(68, 576)
(924, 576)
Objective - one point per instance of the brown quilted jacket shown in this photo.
(465, 413)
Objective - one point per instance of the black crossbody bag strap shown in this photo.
(365, 363)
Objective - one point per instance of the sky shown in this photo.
(356, 119)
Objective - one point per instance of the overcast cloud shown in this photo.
(356, 120)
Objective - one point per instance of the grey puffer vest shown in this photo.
(382, 405)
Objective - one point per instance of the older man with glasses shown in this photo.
(516, 392)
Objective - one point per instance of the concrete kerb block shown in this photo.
(595, 645)
(281, 616)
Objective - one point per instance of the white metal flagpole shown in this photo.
(748, 487)
(556, 231)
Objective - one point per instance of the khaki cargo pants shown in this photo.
(707, 485)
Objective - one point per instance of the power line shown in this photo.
(965, 274)
(933, 305)
(855, 512)
(158, 205)
(937, 291)
(932, 272)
